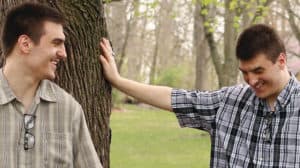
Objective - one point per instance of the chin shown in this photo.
(261, 95)
(50, 76)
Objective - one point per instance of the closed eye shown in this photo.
(58, 41)
(258, 70)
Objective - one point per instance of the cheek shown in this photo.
(246, 79)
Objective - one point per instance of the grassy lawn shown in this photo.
(152, 138)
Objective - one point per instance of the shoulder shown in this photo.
(61, 96)
(295, 91)
(232, 92)
(239, 90)
(297, 87)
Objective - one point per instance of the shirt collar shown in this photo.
(45, 91)
(6, 94)
(283, 98)
(285, 95)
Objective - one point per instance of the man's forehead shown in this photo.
(255, 63)
(54, 29)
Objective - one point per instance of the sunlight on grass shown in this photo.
(152, 138)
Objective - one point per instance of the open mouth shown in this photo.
(258, 86)
(55, 62)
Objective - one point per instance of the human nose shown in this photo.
(252, 80)
(61, 53)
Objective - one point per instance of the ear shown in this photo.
(282, 60)
(25, 44)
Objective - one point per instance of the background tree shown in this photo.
(81, 74)
(293, 17)
(231, 14)
(200, 45)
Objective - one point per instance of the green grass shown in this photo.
(152, 138)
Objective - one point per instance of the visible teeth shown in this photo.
(54, 62)
(259, 85)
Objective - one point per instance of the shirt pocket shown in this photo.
(57, 150)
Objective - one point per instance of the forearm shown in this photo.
(158, 96)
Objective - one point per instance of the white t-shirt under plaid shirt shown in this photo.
(244, 132)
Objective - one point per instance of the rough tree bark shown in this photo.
(81, 73)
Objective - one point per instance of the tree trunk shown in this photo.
(80, 74)
(229, 73)
(201, 51)
(155, 56)
(153, 68)
(292, 19)
(226, 64)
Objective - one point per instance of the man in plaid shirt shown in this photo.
(254, 125)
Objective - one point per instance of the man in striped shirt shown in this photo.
(253, 125)
(40, 124)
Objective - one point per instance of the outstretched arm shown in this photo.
(158, 96)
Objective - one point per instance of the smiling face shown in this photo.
(45, 55)
(265, 77)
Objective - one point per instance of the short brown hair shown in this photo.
(28, 19)
(259, 39)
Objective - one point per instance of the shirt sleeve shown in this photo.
(85, 154)
(197, 109)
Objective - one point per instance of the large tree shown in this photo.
(81, 73)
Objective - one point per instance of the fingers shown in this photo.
(105, 46)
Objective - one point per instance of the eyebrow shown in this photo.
(252, 70)
(58, 40)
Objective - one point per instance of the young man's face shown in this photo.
(45, 56)
(264, 76)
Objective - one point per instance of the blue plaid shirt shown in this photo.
(244, 132)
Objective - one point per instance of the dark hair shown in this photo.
(259, 39)
(28, 19)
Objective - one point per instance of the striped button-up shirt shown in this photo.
(244, 132)
(59, 128)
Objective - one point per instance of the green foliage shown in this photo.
(204, 12)
(116, 97)
(206, 24)
(233, 5)
(194, 2)
(206, 2)
(154, 4)
(263, 1)
(173, 76)
(107, 1)
(236, 21)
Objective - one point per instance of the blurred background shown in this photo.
(183, 44)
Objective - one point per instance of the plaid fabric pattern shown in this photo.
(61, 136)
(244, 132)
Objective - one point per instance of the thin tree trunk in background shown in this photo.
(229, 73)
(292, 19)
(124, 46)
(155, 55)
(226, 64)
(81, 73)
(201, 51)
(122, 55)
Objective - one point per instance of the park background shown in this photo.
(183, 44)
(180, 43)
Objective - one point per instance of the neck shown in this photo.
(20, 80)
(284, 81)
